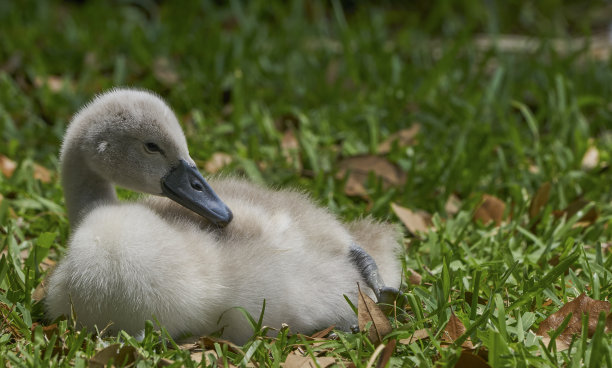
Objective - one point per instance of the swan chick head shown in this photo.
(133, 139)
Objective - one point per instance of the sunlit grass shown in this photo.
(342, 79)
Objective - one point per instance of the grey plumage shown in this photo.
(154, 259)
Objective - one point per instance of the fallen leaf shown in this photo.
(385, 356)
(596, 46)
(452, 206)
(491, 209)
(414, 278)
(468, 298)
(42, 173)
(208, 342)
(415, 222)
(53, 82)
(590, 160)
(321, 334)
(297, 360)
(7, 166)
(360, 167)
(290, 147)
(354, 188)
(587, 219)
(164, 72)
(455, 329)
(331, 72)
(48, 331)
(217, 161)
(539, 200)
(120, 356)
(469, 360)
(577, 307)
(368, 311)
(416, 336)
(404, 138)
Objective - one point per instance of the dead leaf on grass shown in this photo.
(359, 167)
(455, 329)
(416, 336)
(404, 138)
(164, 72)
(386, 354)
(468, 298)
(216, 162)
(208, 342)
(471, 360)
(7, 166)
(491, 209)
(414, 278)
(539, 200)
(573, 208)
(577, 307)
(368, 311)
(120, 356)
(323, 333)
(296, 360)
(290, 147)
(590, 160)
(53, 82)
(42, 173)
(415, 221)
(452, 206)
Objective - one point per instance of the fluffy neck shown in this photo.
(83, 188)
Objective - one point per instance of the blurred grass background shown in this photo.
(342, 76)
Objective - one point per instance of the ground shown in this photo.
(483, 128)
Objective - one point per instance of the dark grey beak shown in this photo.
(185, 185)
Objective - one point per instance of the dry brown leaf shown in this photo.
(586, 220)
(120, 356)
(297, 360)
(208, 342)
(539, 200)
(321, 334)
(368, 311)
(597, 46)
(217, 161)
(53, 82)
(414, 278)
(455, 329)
(354, 188)
(42, 173)
(491, 209)
(290, 147)
(468, 298)
(359, 167)
(452, 206)
(470, 360)
(590, 160)
(577, 307)
(7, 166)
(48, 331)
(331, 73)
(415, 222)
(416, 336)
(386, 354)
(164, 72)
(404, 138)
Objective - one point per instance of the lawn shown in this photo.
(483, 128)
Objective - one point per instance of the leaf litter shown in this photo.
(576, 308)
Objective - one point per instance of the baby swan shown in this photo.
(187, 261)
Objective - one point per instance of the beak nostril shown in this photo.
(197, 186)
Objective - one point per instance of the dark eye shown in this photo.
(152, 148)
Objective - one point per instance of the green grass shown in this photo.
(344, 78)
